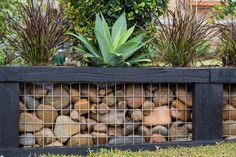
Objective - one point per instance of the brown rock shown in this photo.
(93, 108)
(178, 133)
(229, 113)
(137, 115)
(74, 115)
(102, 92)
(66, 111)
(44, 137)
(47, 114)
(55, 144)
(134, 95)
(82, 106)
(130, 127)
(115, 131)
(148, 106)
(99, 138)
(226, 97)
(163, 96)
(83, 123)
(58, 98)
(22, 107)
(159, 116)
(190, 127)
(65, 127)
(75, 95)
(184, 96)
(100, 127)
(80, 140)
(122, 105)
(29, 123)
(103, 108)
(179, 111)
(229, 128)
(112, 118)
(120, 95)
(233, 96)
(90, 92)
(157, 138)
(109, 99)
(144, 132)
(90, 124)
(38, 91)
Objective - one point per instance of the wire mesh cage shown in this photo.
(76, 114)
(229, 111)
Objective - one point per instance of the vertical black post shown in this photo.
(207, 111)
(9, 113)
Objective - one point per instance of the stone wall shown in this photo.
(229, 114)
(95, 114)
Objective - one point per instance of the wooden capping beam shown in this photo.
(223, 75)
(93, 74)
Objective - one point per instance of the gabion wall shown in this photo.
(229, 114)
(58, 114)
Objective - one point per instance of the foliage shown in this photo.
(225, 8)
(182, 37)
(82, 13)
(227, 46)
(114, 47)
(37, 34)
(7, 7)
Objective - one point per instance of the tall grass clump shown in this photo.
(227, 45)
(183, 36)
(38, 33)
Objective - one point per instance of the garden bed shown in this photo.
(68, 110)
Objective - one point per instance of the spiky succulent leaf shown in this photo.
(119, 28)
(91, 49)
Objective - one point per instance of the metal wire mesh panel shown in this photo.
(76, 114)
(229, 113)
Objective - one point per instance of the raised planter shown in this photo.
(170, 88)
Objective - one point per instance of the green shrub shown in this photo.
(7, 7)
(182, 37)
(37, 34)
(225, 8)
(82, 13)
(114, 48)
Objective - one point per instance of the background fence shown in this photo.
(210, 91)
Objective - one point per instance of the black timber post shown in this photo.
(207, 111)
(9, 113)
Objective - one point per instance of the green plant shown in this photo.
(225, 8)
(114, 47)
(38, 32)
(182, 37)
(7, 7)
(227, 45)
(81, 13)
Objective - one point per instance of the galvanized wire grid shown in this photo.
(229, 113)
(75, 114)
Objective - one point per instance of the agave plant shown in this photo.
(114, 47)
